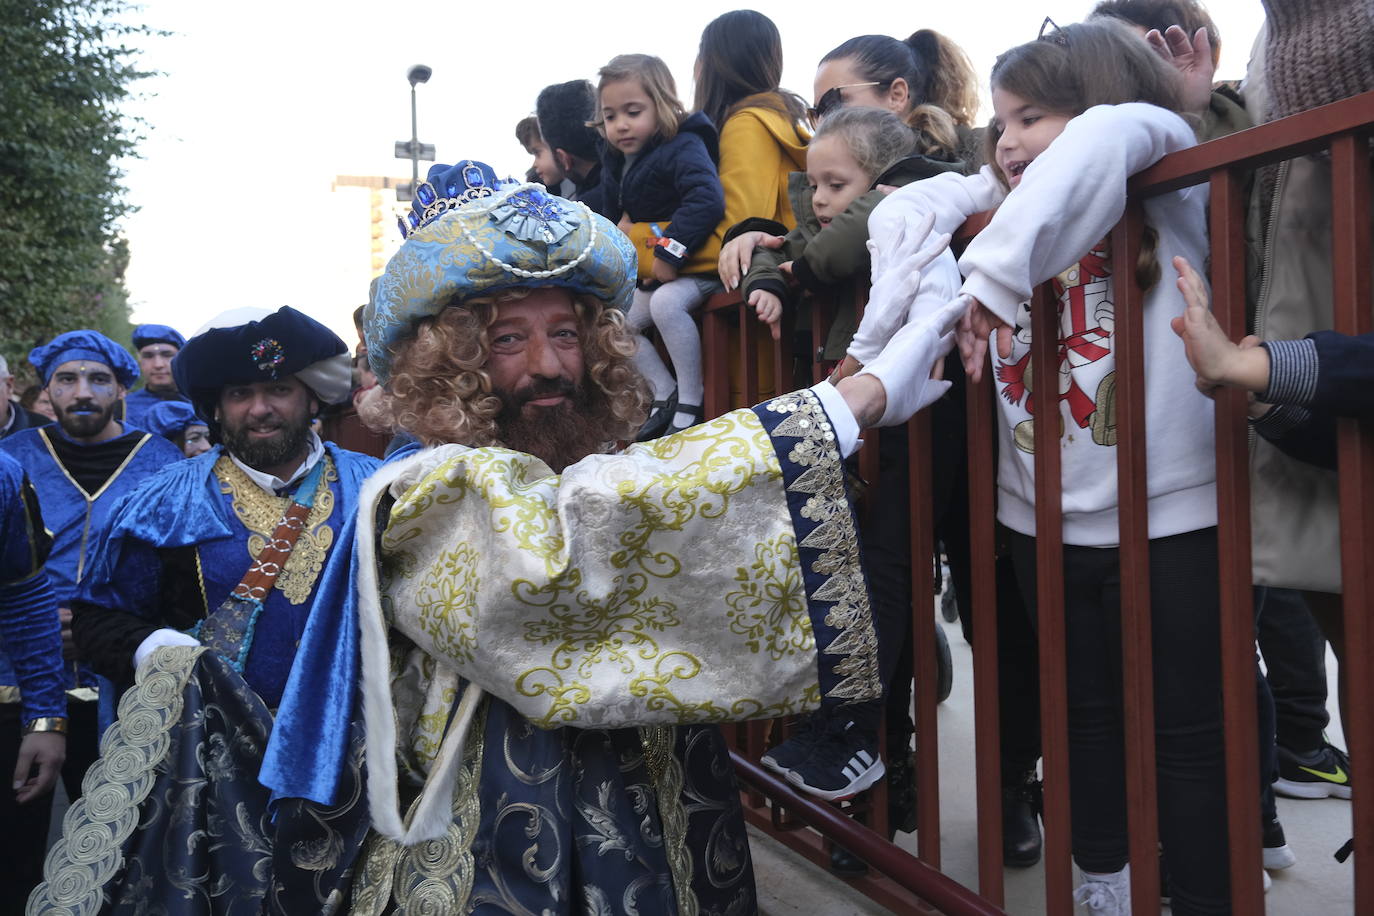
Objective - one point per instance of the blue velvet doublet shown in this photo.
(210, 506)
(75, 517)
(30, 641)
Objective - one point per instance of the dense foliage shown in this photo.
(65, 69)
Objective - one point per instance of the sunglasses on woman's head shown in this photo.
(833, 98)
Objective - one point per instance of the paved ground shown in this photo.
(1317, 884)
(790, 885)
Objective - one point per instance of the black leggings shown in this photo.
(1185, 625)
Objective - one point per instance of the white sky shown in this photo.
(261, 104)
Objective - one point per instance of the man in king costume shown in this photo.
(203, 581)
(550, 630)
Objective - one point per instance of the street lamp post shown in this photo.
(417, 74)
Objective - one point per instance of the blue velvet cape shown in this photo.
(184, 507)
(30, 638)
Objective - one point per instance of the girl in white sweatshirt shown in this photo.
(1077, 113)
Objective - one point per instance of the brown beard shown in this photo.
(558, 435)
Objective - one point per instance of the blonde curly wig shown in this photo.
(440, 391)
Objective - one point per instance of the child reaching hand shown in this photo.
(1300, 387)
(660, 170)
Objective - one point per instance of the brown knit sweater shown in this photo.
(1319, 51)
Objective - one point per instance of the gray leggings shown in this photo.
(669, 308)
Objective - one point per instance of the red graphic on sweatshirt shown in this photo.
(1083, 339)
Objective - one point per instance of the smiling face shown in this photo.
(535, 350)
(266, 425)
(834, 176)
(628, 115)
(155, 364)
(1027, 130)
(84, 395)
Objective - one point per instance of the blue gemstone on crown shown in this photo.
(472, 176)
(425, 194)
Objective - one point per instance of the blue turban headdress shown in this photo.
(88, 345)
(485, 236)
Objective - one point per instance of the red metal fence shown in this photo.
(915, 884)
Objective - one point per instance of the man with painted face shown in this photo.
(218, 556)
(566, 622)
(80, 466)
(156, 345)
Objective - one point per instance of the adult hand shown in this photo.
(768, 308)
(906, 364)
(894, 289)
(159, 638)
(737, 254)
(1193, 60)
(663, 271)
(976, 326)
(64, 618)
(46, 750)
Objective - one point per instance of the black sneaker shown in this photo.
(1322, 773)
(844, 762)
(782, 757)
(1277, 855)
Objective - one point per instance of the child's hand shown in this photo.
(737, 254)
(625, 223)
(663, 271)
(768, 308)
(1216, 360)
(972, 336)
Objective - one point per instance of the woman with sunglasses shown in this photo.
(926, 80)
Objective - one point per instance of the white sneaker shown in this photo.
(1105, 895)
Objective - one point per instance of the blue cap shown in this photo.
(167, 418)
(88, 345)
(146, 334)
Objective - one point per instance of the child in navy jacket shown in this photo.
(659, 169)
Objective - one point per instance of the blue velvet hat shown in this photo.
(482, 237)
(248, 345)
(85, 344)
(146, 334)
(167, 418)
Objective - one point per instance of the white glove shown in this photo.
(905, 364)
(159, 638)
(896, 280)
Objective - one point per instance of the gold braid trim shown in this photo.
(91, 850)
(837, 563)
(666, 771)
(435, 876)
(260, 511)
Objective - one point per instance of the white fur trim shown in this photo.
(433, 809)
